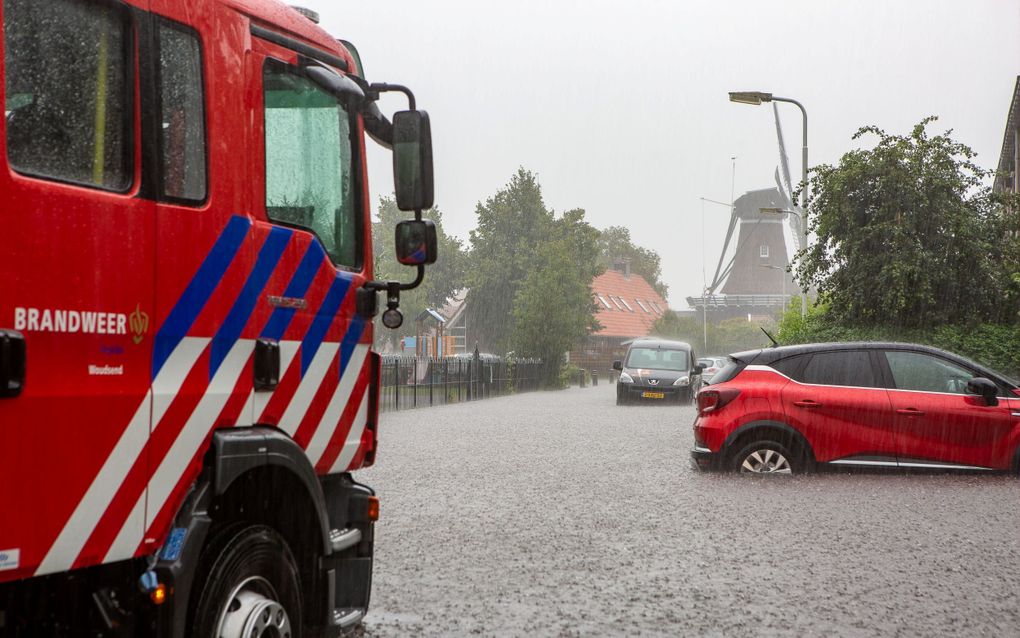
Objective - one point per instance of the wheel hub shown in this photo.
(253, 612)
(765, 461)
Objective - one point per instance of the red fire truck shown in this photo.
(186, 306)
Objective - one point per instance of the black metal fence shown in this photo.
(413, 382)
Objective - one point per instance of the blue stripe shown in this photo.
(351, 340)
(324, 318)
(265, 264)
(278, 322)
(197, 294)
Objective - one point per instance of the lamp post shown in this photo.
(772, 210)
(704, 288)
(783, 275)
(756, 98)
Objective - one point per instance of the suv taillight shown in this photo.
(712, 399)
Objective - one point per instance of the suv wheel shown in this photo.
(766, 457)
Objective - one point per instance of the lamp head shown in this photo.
(750, 97)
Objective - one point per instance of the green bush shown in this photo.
(994, 345)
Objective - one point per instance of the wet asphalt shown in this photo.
(561, 514)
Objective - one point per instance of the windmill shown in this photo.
(756, 241)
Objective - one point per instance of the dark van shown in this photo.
(657, 370)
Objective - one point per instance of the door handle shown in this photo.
(12, 363)
(807, 403)
(910, 412)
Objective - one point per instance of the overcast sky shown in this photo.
(621, 107)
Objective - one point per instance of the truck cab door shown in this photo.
(76, 282)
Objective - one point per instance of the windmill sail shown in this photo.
(784, 160)
(793, 235)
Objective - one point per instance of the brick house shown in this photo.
(628, 306)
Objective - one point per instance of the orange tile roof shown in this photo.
(630, 294)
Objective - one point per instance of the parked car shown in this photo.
(712, 365)
(658, 370)
(790, 409)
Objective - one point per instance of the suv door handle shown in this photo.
(807, 403)
(910, 412)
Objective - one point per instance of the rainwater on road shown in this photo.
(561, 514)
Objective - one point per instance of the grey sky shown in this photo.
(621, 107)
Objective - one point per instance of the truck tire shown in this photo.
(248, 586)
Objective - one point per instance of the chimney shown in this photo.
(622, 266)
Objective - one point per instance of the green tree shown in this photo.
(442, 279)
(909, 234)
(615, 244)
(512, 225)
(553, 308)
(724, 337)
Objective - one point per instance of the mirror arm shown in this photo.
(390, 286)
(382, 87)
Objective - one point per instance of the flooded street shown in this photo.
(559, 513)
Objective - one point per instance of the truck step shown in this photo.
(342, 539)
(345, 618)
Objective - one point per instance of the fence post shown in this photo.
(478, 373)
(396, 386)
(431, 378)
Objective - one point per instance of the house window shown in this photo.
(626, 304)
(763, 251)
(604, 302)
(616, 302)
(643, 306)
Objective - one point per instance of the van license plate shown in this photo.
(653, 395)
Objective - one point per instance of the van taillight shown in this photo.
(712, 399)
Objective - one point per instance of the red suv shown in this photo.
(788, 409)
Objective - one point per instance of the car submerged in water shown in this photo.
(874, 405)
(657, 370)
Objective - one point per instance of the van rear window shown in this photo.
(67, 91)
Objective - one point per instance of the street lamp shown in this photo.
(771, 267)
(756, 98)
(774, 210)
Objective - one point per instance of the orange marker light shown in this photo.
(158, 595)
(373, 508)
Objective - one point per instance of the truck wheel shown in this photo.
(250, 589)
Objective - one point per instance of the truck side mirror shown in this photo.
(412, 160)
(617, 365)
(416, 242)
(984, 388)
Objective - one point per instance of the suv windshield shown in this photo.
(658, 359)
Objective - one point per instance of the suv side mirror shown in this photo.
(701, 367)
(412, 160)
(618, 365)
(416, 242)
(985, 389)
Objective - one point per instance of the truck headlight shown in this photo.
(626, 378)
(685, 380)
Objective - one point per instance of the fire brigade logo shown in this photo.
(139, 324)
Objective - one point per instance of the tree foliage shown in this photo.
(995, 345)
(442, 279)
(615, 244)
(512, 224)
(724, 337)
(909, 234)
(553, 307)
